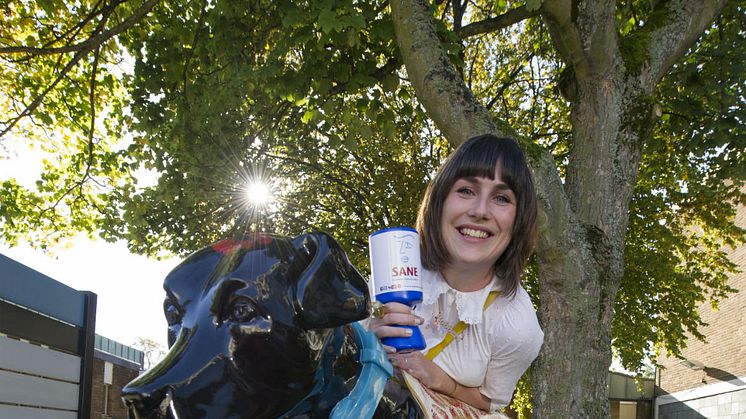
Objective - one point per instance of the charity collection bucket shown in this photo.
(396, 269)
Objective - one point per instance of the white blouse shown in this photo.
(497, 347)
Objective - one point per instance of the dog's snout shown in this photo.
(148, 406)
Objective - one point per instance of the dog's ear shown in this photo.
(329, 292)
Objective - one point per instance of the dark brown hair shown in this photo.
(478, 157)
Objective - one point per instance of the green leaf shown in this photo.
(390, 82)
(533, 5)
(327, 21)
(294, 16)
(45, 118)
(310, 116)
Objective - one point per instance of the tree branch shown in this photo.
(685, 21)
(92, 100)
(74, 30)
(510, 80)
(89, 44)
(566, 36)
(458, 14)
(391, 65)
(190, 51)
(496, 23)
(37, 101)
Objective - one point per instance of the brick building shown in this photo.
(114, 366)
(710, 380)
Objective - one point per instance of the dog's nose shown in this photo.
(148, 406)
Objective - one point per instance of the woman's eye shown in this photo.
(502, 199)
(464, 191)
(242, 311)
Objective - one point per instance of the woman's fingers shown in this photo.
(386, 317)
(402, 318)
(380, 310)
(420, 368)
(394, 313)
(389, 349)
(397, 308)
(409, 363)
(384, 331)
(400, 362)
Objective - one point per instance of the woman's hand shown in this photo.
(392, 314)
(425, 370)
(432, 376)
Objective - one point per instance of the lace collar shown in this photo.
(469, 305)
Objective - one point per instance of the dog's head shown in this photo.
(248, 322)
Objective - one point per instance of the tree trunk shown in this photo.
(581, 267)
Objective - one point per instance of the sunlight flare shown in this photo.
(258, 194)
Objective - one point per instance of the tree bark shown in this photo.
(448, 101)
(581, 244)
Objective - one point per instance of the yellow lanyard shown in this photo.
(460, 327)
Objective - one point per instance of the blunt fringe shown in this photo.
(478, 157)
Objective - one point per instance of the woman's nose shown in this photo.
(478, 208)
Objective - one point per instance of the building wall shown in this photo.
(109, 404)
(51, 362)
(721, 377)
(46, 345)
(726, 405)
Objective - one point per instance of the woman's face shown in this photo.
(477, 222)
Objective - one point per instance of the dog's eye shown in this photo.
(242, 311)
(172, 313)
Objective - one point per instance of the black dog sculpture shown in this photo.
(256, 330)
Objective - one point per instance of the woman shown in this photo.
(477, 225)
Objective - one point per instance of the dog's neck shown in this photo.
(330, 377)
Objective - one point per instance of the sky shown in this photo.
(129, 287)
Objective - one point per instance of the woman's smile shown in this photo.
(473, 232)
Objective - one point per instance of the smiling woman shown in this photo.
(258, 193)
(477, 223)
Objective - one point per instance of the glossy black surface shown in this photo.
(254, 332)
